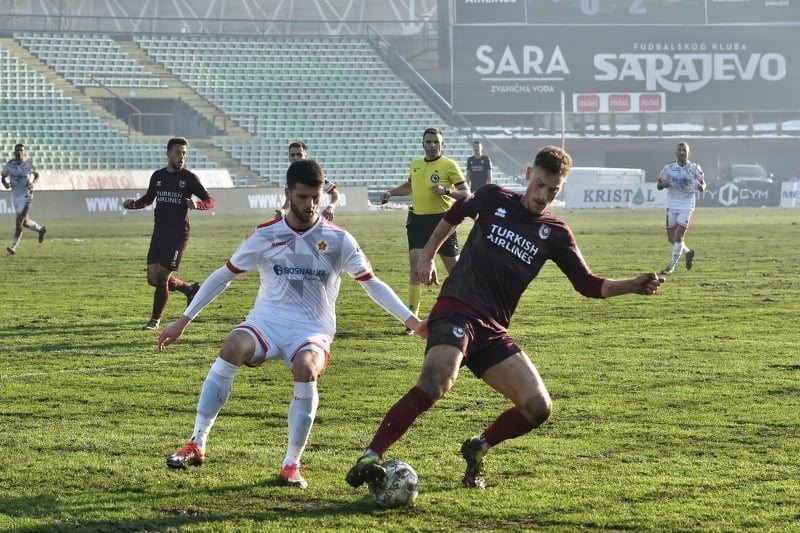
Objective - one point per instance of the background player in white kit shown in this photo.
(297, 151)
(682, 179)
(20, 175)
(300, 258)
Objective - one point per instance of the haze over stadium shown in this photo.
(231, 75)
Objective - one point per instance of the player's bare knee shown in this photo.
(537, 409)
(435, 385)
(304, 373)
(238, 348)
(158, 279)
(308, 366)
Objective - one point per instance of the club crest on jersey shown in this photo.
(435, 178)
(544, 231)
(182, 184)
(322, 246)
(458, 332)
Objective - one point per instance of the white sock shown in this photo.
(685, 248)
(216, 391)
(302, 412)
(677, 250)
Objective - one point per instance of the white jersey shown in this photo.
(300, 272)
(21, 177)
(682, 181)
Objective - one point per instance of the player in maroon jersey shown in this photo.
(173, 189)
(512, 237)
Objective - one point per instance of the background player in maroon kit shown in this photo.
(479, 167)
(510, 241)
(172, 188)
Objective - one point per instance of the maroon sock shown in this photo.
(160, 298)
(512, 423)
(399, 418)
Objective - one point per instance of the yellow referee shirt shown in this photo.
(425, 174)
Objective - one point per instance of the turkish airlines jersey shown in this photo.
(505, 251)
(682, 190)
(170, 190)
(300, 272)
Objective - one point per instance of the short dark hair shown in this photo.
(553, 160)
(305, 171)
(432, 131)
(177, 140)
(298, 144)
(18, 146)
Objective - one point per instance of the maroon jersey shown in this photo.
(170, 190)
(505, 251)
(479, 168)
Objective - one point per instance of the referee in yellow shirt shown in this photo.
(434, 182)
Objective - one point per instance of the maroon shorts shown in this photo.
(483, 343)
(166, 248)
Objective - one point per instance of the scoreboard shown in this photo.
(627, 12)
(660, 11)
(521, 56)
(616, 12)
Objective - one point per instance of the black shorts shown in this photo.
(483, 344)
(419, 229)
(167, 247)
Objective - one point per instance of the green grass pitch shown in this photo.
(677, 412)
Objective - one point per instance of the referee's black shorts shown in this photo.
(419, 229)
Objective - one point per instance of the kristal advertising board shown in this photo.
(524, 69)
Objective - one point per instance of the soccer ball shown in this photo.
(399, 489)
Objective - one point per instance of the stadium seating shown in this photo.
(337, 94)
(61, 133)
(76, 56)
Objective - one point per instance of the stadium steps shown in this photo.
(239, 172)
(35, 64)
(181, 91)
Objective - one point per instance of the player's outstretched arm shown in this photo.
(172, 332)
(384, 296)
(647, 284)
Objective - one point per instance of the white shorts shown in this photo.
(21, 202)
(274, 341)
(679, 217)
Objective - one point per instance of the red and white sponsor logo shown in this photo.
(650, 102)
(619, 102)
(588, 103)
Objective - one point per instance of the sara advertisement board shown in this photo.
(524, 69)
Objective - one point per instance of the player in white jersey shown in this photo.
(297, 151)
(20, 175)
(300, 258)
(683, 179)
